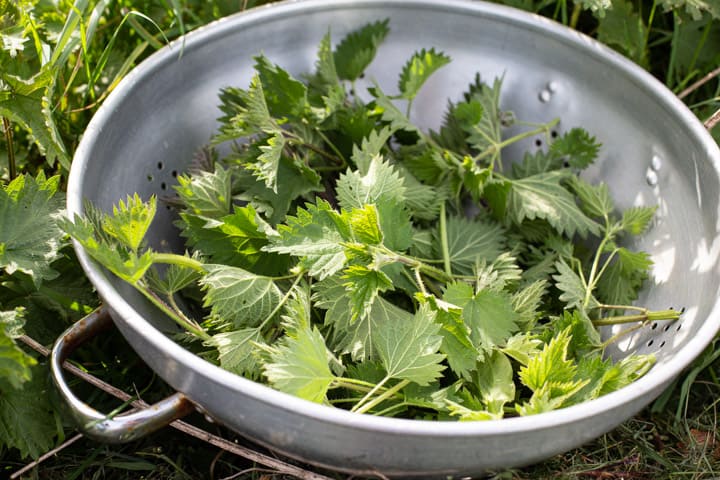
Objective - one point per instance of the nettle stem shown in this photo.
(645, 315)
(7, 128)
(497, 147)
(180, 260)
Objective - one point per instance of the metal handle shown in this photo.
(96, 425)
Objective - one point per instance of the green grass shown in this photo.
(72, 56)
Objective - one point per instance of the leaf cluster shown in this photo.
(344, 255)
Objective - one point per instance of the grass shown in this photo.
(84, 48)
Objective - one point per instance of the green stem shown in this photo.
(492, 149)
(647, 316)
(593, 270)
(369, 394)
(381, 398)
(180, 260)
(7, 128)
(353, 384)
(332, 146)
(444, 240)
(575, 16)
(190, 326)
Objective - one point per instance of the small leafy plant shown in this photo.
(344, 255)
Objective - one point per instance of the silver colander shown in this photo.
(655, 152)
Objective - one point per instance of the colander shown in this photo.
(655, 152)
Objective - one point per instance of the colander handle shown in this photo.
(92, 423)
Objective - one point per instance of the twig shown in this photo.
(247, 453)
(713, 120)
(45, 456)
(699, 83)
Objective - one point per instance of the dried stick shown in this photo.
(713, 120)
(45, 456)
(247, 453)
(699, 83)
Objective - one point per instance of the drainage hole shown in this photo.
(538, 143)
(662, 344)
(160, 165)
(678, 327)
(174, 173)
(650, 343)
(654, 326)
(150, 178)
(667, 327)
(554, 134)
(163, 186)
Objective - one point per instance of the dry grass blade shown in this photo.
(277, 465)
(714, 119)
(699, 83)
(42, 458)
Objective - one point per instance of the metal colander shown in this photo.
(655, 152)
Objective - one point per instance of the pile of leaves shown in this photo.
(343, 255)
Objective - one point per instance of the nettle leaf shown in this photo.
(536, 162)
(542, 196)
(28, 103)
(624, 29)
(390, 113)
(238, 297)
(300, 366)
(316, 234)
(572, 287)
(636, 220)
(422, 201)
(246, 113)
(12, 322)
(577, 147)
(695, 8)
(130, 221)
(490, 318)
(15, 364)
(622, 280)
(551, 367)
(365, 225)
(460, 352)
(27, 421)
(418, 69)
(522, 346)
(370, 147)
(206, 194)
(267, 163)
(527, 301)
(127, 265)
(584, 337)
(363, 285)
(325, 64)
(469, 242)
(498, 274)
(494, 379)
(595, 200)
(383, 187)
(175, 278)
(30, 238)
(357, 50)
(488, 131)
(408, 347)
(284, 95)
(237, 350)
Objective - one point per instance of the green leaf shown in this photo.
(15, 364)
(316, 234)
(383, 187)
(284, 95)
(498, 275)
(598, 7)
(494, 379)
(491, 319)
(622, 280)
(542, 196)
(358, 49)
(176, 278)
(577, 147)
(365, 224)
(246, 113)
(30, 238)
(624, 29)
(206, 194)
(522, 346)
(635, 220)
(363, 285)
(537, 162)
(238, 297)
(26, 419)
(12, 322)
(130, 221)
(527, 301)
(595, 200)
(28, 103)
(390, 113)
(695, 8)
(325, 64)
(408, 347)
(370, 147)
(268, 163)
(488, 131)
(572, 287)
(299, 366)
(460, 352)
(550, 367)
(470, 242)
(418, 69)
(237, 350)
(584, 337)
(127, 265)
